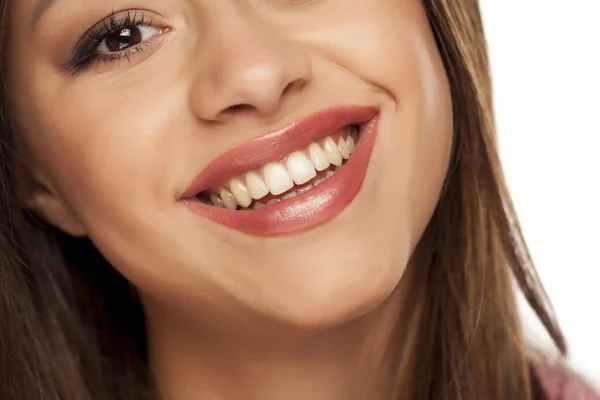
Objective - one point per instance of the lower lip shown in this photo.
(308, 210)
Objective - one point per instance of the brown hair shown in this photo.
(70, 328)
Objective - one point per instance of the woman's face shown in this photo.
(134, 122)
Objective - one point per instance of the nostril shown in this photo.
(296, 85)
(238, 108)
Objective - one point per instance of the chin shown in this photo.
(335, 274)
(343, 303)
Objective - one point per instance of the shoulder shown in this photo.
(562, 384)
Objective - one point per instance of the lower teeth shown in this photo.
(290, 195)
(305, 189)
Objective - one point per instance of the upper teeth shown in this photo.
(279, 177)
(333, 152)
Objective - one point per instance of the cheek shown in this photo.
(414, 150)
(111, 156)
(378, 41)
(389, 44)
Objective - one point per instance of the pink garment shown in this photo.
(561, 384)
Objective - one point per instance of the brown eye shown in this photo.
(126, 38)
(123, 38)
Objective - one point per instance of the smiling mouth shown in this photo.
(296, 174)
(288, 180)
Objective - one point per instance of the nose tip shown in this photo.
(253, 71)
(259, 88)
(262, 93)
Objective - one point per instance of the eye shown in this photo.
(126, 38)
(121, 35)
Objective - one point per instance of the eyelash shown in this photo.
(86, 51)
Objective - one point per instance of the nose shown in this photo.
(251, 69)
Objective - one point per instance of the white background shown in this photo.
(545, 58)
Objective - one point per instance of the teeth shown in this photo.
(343, 148)
(319, 181)
(256, 186)
(305, 189)
(318, 157)
(228, 199)
(350, 143)
(240, 192)
(300, 168)
(277, 178)
(290, 195)
(216, 201)
(333, 154)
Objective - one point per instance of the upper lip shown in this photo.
(275, 145)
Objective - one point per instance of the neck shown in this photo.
(348, 362)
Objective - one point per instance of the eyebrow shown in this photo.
(40, 9)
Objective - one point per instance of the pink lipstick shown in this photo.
(289, 180)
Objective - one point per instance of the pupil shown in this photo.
(124, 38)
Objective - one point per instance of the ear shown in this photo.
(39, 196)
(51, 207)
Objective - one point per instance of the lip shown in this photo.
(307, 210)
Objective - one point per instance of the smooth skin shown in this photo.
(113, 146)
